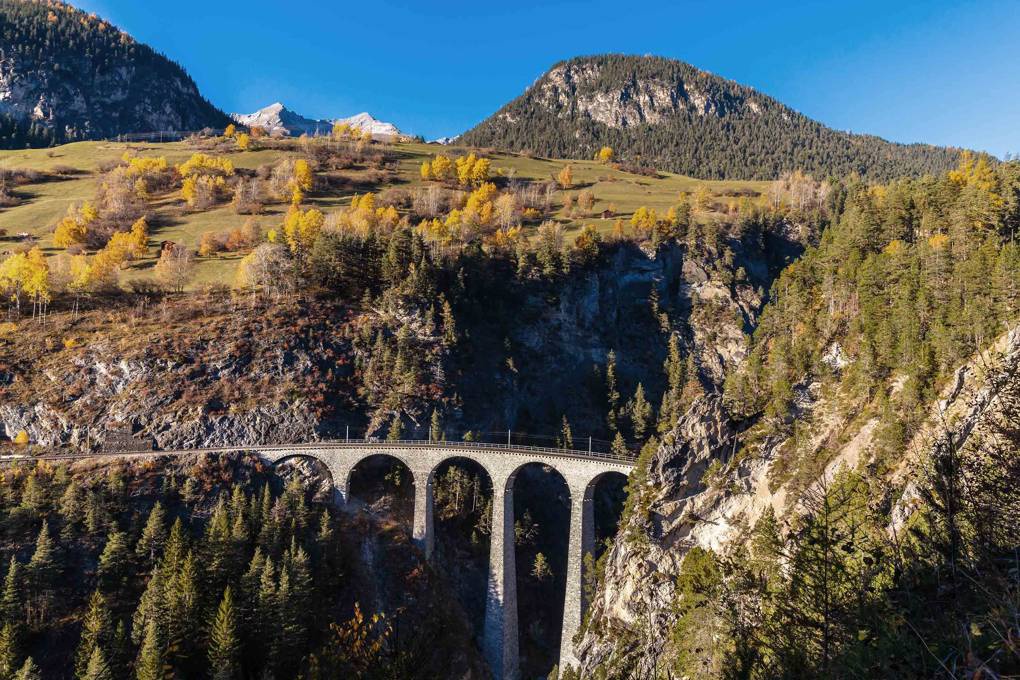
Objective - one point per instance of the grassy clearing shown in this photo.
(42, 203)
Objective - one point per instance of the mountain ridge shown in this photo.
(278, 118)
(670, 114)
(67, 76)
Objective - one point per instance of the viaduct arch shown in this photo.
(580, 470)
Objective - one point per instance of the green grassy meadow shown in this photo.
(71, 174)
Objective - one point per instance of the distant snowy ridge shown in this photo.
(277, 118)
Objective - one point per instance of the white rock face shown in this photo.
(576, 88)
(365, 122)
(278, 119)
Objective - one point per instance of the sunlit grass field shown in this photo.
(72, 174)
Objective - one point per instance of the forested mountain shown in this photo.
(668, 114)
(847, 507)
(820, 376)
(67, 75)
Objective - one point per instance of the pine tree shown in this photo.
(449, 325)
(640, 412)
(182, 605)
(151, 659)
(8, 651)
(97, 630)
(292, 630)
(218, 548)
(176, 547)
(566, 438)
(267, 610)
(151, 607)
(693, 388)
(396, 431)
(114, 562)
(153, 535)
(673, 367)
(436, 427)
(541, 570)
(12, 603)
(70, 509)
(299, 570)
(33, 494)
(43, 571)
(612, 392)
(29, 671)
(97, 667)
(619, 447)
(43, 566)
(224, 647)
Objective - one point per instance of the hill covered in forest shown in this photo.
(67, 75)
(673, 116)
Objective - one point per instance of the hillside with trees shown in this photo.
(211, 567)
(841, 505)
(666, 114)
(69, 75)
(797, 361)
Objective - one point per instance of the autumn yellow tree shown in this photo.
(702, 198)
(565, 178)
(243, 141)
(605, 154)
(301, 228)
(440, 169)
(230, 131)
(140, 237)
(303, 177)
(644, 220)
(72, 229)
(26, 275)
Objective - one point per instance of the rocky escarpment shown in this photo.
(527, 364)
(185, 377)
(207, 372)
(66, 75)
(686, 503)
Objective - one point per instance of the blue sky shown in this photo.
(937, 71)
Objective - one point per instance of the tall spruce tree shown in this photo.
(224, 645)
(97, 631)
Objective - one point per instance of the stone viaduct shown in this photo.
(580, 470)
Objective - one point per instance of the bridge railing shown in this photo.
(609, 456)
(507, 445)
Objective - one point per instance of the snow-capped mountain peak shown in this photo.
(277, 118)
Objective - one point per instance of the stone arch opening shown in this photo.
(607, 494)
(462, 517)
(383, 484)
(541, 498)
(313, 473)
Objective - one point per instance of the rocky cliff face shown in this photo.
(680, 507)
(209, 373)
(79, 77)
(545, 356)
